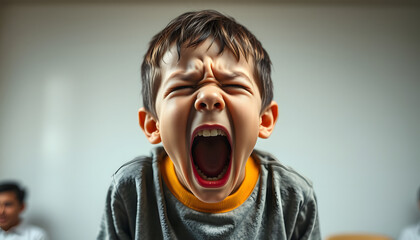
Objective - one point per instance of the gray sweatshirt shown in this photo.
(140, 206)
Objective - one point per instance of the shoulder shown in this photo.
(292, 197)
(139, 167)
(32, 231)
(287, 181)
(137, 173)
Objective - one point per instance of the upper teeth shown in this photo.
(211, 133)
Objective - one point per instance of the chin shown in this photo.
(212, 195)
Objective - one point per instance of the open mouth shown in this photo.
(211, 156)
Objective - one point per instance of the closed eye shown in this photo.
(236, 86)
(177, 88)
(182, 89)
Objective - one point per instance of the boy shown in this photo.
(12, 204)
(207, 95)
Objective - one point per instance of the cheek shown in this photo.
(251, 124)
(172, 120)
(173, 130)
(245, 117)
(12, 211)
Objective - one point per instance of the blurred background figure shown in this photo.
(412, 232)
(12, 227)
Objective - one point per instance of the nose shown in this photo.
(209, 99)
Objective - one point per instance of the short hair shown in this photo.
(11, 186)
(189, 30)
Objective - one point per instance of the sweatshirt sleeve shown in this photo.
(114, 223)
(307, 224)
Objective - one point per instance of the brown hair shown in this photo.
(189, 30)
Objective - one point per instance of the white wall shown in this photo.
(346, 78)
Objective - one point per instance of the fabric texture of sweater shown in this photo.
(139, 205)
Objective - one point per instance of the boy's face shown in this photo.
(209, 118)
(10, 209)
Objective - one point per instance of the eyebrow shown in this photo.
(183, 76)
(179, 75)
(236, 74)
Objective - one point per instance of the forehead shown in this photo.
(8, 196)
(192, 58)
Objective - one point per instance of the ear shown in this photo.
(268, 120)
(150, 126)
(22, 207)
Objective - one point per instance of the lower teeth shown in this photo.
(211, 178)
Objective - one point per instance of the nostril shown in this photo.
(209, 100)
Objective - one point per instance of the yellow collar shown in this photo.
(233, 201)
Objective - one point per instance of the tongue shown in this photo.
(211, 154)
